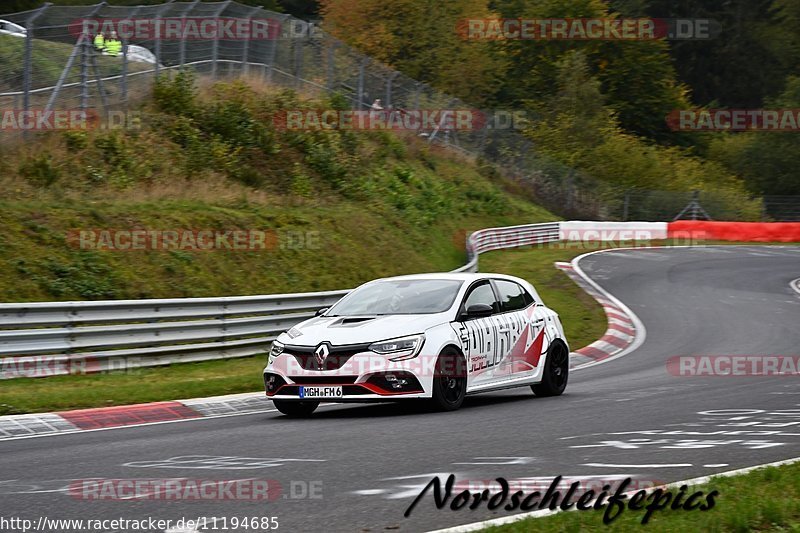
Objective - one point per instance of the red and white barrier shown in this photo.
(735, 231)
(696, 230)
(593, 231)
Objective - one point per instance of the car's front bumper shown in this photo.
(363, 376)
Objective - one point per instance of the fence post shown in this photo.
(273, 48)
(417, 94)
(298, 46)
(215, 46)
(28, 61)
(387, 102)
(330, 73)
(61, 79)
(360, 91)
(85, 51)
(159, 12)
(182, 44)
(246, 51)
(123, 82)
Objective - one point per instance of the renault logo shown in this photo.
(321, 353)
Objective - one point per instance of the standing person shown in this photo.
(113, 45)
(99, 42)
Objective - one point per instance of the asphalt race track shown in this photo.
(629, 416)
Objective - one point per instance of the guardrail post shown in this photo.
(28, 60)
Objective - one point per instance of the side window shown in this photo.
(512, 296)
(482, 294)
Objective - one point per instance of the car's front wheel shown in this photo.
(556, 372)
(449, 381)
(295, 408)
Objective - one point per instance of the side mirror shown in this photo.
(321, 311)
(478, 311)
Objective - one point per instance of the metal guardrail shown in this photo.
(58, 338)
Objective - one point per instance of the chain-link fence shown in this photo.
(49, 60)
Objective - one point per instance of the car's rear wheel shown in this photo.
(450, 381)
(556, 371)
(295, 408)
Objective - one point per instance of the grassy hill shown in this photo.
(48, 61)
(342, 206)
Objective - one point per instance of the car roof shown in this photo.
(458, 276)
(468, 277)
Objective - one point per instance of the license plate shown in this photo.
(321, 392)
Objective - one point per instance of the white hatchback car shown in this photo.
(433, 336)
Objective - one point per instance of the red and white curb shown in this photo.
(620, 333)
(34, 425)
(624, 332)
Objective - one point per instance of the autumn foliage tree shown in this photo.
(419, 38)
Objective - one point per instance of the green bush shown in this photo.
(176, 94)
(40, 171)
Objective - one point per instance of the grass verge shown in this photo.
(766, 499)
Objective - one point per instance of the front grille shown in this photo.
(338, 356)
(323, 380)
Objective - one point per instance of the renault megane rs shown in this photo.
(432, 336)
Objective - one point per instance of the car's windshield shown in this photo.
(399, 297)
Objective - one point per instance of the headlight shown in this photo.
(276, 350)
(400, 348)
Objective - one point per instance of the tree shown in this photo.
(637, 77)
(419, 38)
(743, 64)
(767, 161)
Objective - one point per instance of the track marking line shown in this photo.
(212, 417)
(604, 465)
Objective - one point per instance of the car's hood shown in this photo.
(359, 330)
